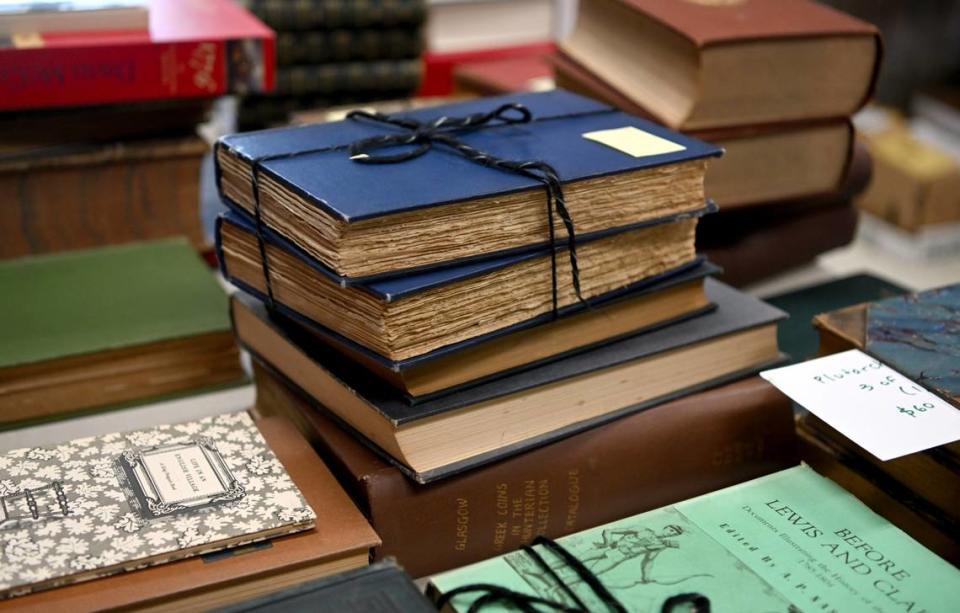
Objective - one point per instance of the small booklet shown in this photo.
(100, 505)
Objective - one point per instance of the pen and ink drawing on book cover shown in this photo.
(98, 505)
(644, 560)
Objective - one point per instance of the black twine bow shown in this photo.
(494, 594)
(420, 137)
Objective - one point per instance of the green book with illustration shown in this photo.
(790, 541)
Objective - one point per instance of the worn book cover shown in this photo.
(379, 588)
(786, 542)
(96, 506)
(96, 328)
(361, 220)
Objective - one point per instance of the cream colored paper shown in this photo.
(634, 141)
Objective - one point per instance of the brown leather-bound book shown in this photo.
(669, 453)
(82, 196)
(798, 159)
(697, 64)
(341, 540)
(757, 252)
(747, 243)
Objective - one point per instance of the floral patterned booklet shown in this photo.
(102, 505)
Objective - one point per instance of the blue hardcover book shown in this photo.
(441, 310)
(451, 193)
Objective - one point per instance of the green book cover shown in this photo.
(83, 302)
(791, 541)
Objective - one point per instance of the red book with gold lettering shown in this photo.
(191, 49)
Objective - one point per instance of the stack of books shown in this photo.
(422, 305)
(774, 83)
(915, 334)
(336, 52)
(99, 106)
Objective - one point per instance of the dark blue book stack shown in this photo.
(462, 283)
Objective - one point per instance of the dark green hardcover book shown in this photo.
(329, 14)
(349, 77)
(102, 327)
(344, 45)
(379, 588)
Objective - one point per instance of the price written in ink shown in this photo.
(875, 406)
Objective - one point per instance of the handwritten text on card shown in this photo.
(873, 405)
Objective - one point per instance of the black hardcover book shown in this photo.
(349, 77)
(439, 437)
(330, 14)
(344, 45)
(379, 588)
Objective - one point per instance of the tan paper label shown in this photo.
(634, 141)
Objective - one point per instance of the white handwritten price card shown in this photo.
(870, 403)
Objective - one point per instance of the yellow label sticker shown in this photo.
(634, 141)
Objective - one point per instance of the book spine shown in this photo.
(344, 45)
(330, 14)
(666, 454)
(353, 77)
(102, 74)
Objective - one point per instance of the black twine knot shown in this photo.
(418, 138)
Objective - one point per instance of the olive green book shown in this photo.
(93, 328)
(790, 541)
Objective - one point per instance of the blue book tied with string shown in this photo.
(377, 196)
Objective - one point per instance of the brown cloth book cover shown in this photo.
(748, 243)
(95, 195)
(716, 22)
(813, 157)
(669, 453)
(758, 253)
(341, 540)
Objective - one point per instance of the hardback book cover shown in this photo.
(735, 312)
(785, 542)
(382, 587)
(340, 45)
(566, 335)
(341, 540)
(596, 476)
(191, 50)
(893, 500)
(35, 174)
(812, 146)
(307, 15)
(114, 324)
(96, 506)
(692, 54)
(916, 334)
(716, 22)
(740, 335)
(312, 164)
